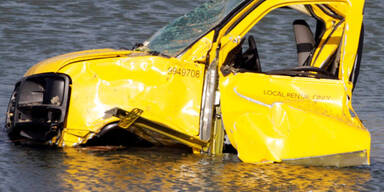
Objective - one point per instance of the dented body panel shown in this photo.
(202, 91)
(284, 118)
(169, 91)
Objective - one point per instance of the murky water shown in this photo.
(31, 31)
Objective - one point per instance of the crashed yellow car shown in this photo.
(199, 82)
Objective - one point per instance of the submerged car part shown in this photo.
(127, 119)
(192, 80)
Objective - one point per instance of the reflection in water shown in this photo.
(159, 169)
(31, 31)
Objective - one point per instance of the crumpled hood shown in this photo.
(54, 64)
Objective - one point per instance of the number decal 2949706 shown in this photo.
(184, 72)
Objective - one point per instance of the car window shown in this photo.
(179, 34)
(275, 38)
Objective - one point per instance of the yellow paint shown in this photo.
(198, 52)
(134, 82)
(330, 40)
(286, 118)
(268, 118)
(272, 118)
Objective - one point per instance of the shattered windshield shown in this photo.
(183, 31)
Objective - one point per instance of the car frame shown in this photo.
(192, 85)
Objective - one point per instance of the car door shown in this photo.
(274, 115)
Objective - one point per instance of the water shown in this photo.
(31, 31)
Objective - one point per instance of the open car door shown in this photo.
(302, 114)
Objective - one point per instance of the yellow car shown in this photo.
(199, 82)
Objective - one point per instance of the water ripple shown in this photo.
(31, 31)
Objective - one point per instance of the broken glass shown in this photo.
(179, 34)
